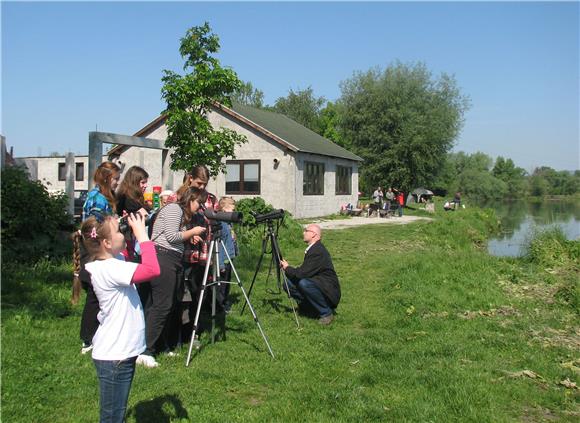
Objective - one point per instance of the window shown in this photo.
(243, 177)
(62, 171)
(343, 180)
(79, 171)
(313, 178)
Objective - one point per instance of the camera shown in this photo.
(273, 215)
(232, 217)
(124, 227)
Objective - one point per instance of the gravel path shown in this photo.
(359, 221)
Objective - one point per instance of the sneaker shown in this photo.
(326, 320)
(172, 354)
(86, 348)
(147, 361)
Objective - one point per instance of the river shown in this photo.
(521, 219)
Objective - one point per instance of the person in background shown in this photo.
(377, 199)
(100, 201)
(130, 199)
(400, 202)
(195, 254)
(129, 195)
(169, 235)
(228, 236)
(389, 198)
(315, 282)
(457, 200)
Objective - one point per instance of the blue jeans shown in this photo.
(115, 379)
(306, 290)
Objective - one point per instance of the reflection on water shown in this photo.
(520, 219)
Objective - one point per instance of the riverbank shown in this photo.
(430, 328)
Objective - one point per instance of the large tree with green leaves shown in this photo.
(302, 106)
(249, 95)
(513, 176)
(190, 99)
(402, 121)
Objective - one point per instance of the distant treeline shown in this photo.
(403, 122)
(478, 176)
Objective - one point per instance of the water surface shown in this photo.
(521, 219)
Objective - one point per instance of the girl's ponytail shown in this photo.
(76, 287)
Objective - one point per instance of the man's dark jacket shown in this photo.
(318, 268)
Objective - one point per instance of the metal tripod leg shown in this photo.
(199, 303)
(264, 246)
(248, 301)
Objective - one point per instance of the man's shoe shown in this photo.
(147, 361)
(326, 320)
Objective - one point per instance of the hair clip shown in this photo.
(94, 233)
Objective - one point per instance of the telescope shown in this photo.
(232, 217)
(273, 215)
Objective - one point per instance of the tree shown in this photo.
(249, 96)
(402, 122)
(191, 97)
(329, 123)
(513, 176)
(302, 106)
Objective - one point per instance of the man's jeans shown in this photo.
(115, 379)
(307, 290)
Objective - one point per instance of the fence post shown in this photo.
(70, 183)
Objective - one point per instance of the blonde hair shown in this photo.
(93, 232)
(226, 201)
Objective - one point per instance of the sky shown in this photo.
(70, 67)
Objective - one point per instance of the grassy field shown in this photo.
(430, 328)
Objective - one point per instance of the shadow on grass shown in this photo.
(166, 408)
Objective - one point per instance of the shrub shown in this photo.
(250, 234)
(33, 220)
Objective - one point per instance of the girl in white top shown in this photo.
(120, 337)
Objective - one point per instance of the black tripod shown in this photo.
(213, 249)
(271, 238)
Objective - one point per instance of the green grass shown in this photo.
(430, 328)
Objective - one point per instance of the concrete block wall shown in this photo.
(329, 202)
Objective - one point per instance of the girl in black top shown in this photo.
(130, 193)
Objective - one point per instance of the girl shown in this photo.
(100, 201)
(195, 253)
(130, 199)
(120, 337)
(130, 193)
(101, 198)
(169, 234)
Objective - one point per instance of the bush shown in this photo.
(34, 223)
(249, 234)
(551, 250)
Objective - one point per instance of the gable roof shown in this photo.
(276, 126)
(297, 135)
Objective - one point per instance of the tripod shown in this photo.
(271, 237)
(214, 249)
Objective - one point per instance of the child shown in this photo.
(120, 337)
(100, 200)
(226, 204)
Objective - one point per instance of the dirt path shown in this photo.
(359, 221)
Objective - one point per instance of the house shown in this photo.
(51, 171)
(288, 165)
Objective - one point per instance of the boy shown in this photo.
(228, 205)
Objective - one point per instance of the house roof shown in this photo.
(276, 126)
(300, 137)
